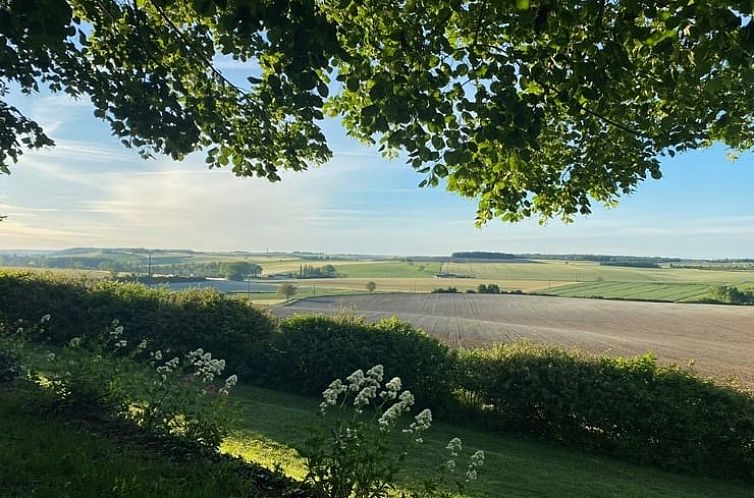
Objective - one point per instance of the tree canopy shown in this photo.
(534, 108)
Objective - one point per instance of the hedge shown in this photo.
(633, 408)
(310, 351)
(176, 321)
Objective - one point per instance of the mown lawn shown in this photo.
(46, 456)
(276, 424)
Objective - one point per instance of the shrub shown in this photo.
(488, 289)
(107, 377)
(310, 351)
(443, 290)
(174, 321)
(631, 408)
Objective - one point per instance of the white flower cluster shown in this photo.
(391, 388)
(168, 366)
(117, 329)
(455, 446)
(331, 394)
(477, 460)
(392, 414)
(229, 382)
(366, 388)
(45, 318)
(75, 342)
(421, 423)
(142, 345)
(121, 344)
(207, 368)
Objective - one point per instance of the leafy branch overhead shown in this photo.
(534, 108)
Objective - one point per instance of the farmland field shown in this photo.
(582, 271)
(641, 291)
(720, 339)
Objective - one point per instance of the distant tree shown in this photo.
(371, 286)
(488, 289)
(328, 271)
(240, 270)
(287, 290)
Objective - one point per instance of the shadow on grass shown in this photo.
(276, 425)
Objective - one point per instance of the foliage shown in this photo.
(442, 290)
(371, 286)
(731, 295)
(359, 454)
(631, 408)
(107, 377)
(311, 271)
(488, 289)
(175, 321)
(241, 270)
(312, 350)
(489, 96)
(287, 290)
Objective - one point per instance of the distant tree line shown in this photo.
(310, 271)
(483, 255)
(441, 290)
(632, 263)
(600, 258)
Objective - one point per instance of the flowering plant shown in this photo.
(10, 353)
(107, 376)
(184, 397)
(365, 438)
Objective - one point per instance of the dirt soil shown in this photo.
(719, 339)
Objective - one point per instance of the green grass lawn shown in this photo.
(276, 424)
(46, 456)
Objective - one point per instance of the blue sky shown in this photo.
(90, 191)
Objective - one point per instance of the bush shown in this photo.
(310, 351)
(442, 290)
(488, 289)
(630, 408)
(109, 378)
(175, 321)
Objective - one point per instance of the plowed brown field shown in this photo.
(720, 339)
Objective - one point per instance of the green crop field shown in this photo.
(389, 269)
(634, 290)
(586, 271)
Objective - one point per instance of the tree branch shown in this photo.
(610, 121)
(198, 53)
